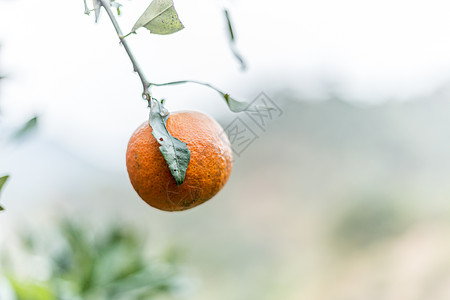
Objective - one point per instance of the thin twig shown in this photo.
(136, 68)
(188, 81)
(234, 105)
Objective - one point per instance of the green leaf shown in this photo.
(175, 152)
(2, 181)
(233, 41)
(28, 127)
(160, 17)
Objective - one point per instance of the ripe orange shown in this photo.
(207, 172)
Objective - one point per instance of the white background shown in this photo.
(76, 77)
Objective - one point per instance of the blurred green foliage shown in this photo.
(369, 220)
(3, 179)
(27, 128)
(110, 265)
(21, 133)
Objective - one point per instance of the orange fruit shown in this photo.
(208, 170)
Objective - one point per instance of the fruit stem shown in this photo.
(136, 67)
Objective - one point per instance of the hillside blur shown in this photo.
(333, 201)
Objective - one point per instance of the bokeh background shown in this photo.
(343, 196)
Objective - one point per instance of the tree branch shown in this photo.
(136, 68)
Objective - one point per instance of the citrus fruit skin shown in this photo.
(208, 170)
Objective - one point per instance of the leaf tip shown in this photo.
(3, 179)
(179, 180)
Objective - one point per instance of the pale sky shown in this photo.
(74, 74)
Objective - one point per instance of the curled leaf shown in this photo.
(175, 152)
(160, 17)
(233, 104)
